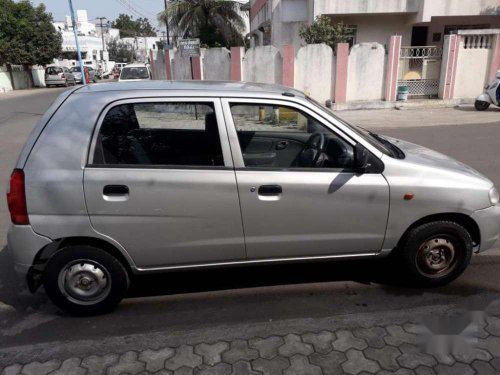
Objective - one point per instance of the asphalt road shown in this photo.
(203, 300)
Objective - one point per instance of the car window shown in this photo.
(134, 73)
(283, 137)
(66, 70)
(53, 70)
(75, 69)
(177, 134)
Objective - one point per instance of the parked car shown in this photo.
(165, 176)
(135, 72)
(77, 72)
(58, 75)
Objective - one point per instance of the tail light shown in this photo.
(16, 198)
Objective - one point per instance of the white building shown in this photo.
(142, 45)
(420, 22)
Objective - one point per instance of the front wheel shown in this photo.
(434, 254)
(481, 106)
(85, 280)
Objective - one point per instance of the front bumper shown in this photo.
(24, 244)
(488, 220)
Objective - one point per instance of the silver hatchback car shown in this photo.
(122, 179)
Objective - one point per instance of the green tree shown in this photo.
(215, 22)
(120, 51)
(27, 35)
(129, 27)
(322, 30)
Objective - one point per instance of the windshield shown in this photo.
(134, 73)
(53, 70)
(376, 141)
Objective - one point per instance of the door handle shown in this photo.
(115, 190)
(281, 145)
(270, 190)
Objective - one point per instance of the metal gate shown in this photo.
(419, 70)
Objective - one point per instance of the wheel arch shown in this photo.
(464, 220)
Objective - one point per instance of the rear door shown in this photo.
(160, 181)
(291, 209)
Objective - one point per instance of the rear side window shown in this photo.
(176, 134)
(52, 70)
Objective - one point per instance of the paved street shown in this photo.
(335, 318)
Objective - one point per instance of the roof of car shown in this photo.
(213, 86)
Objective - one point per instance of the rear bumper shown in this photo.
(24, 244)
(488, 221)
(55, 82)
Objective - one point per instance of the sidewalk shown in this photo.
(420, 117)
(359, 344)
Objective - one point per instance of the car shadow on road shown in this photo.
(470, 108)
(13, 289)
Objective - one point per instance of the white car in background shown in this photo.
(135, 72)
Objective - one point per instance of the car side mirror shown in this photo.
(361, 158)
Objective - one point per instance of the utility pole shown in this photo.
(166, 22)
(79, 55)
(102, 36)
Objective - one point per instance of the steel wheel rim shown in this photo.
(436, 257)
(84, 282)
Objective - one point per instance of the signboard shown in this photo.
(189, 47)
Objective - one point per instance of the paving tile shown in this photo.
(299, 365)
(271, 366)
(184, 371)
(38, 368)
(161, 372)
(373, 336)
(493, 325)
(293, 345)
(424, 370)
(268, 347)
(211, 353)
(70, 366)
(239, 350)
(491, 344)
(495, 362)
(321, 341)
(470, 354)
(401, 371)
(184, 357)
(357, 363)
(456, 369)
(330, 363)
(445, 359)
(128, 363)
(346, 340)
(398, 336)
(414, 357)
(218, 369)
(243, 368)
(484, 368)
(12, 369)
(97, 365)
(155, 359)
(386, 357)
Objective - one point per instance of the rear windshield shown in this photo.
(75, 69)
(134, 73)
(53, 70)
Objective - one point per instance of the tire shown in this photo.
(481, 106)
(428, 248)
(99, 281)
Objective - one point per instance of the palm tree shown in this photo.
(215, 22)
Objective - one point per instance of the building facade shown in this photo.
(419, 22)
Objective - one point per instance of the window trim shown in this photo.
(221, 126)
(237, 154)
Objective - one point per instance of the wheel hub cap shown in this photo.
(436, 256)
(84, 282)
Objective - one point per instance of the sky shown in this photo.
(106, 8)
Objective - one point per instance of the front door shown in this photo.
(160, 182)
(298, 192)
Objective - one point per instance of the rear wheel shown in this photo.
(481, 106)
(85, 280)
(436, 253)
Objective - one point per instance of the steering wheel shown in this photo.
(312, 150)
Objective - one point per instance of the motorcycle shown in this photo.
(490, 96)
